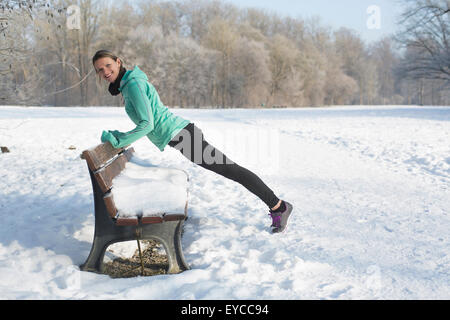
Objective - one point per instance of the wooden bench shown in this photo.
(104, 164)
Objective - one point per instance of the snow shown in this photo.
(145, 190)
(369, 185)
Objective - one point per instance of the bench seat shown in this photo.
(137, 184)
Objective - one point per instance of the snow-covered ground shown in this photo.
(370, 188)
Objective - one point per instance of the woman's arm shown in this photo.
(143, 107)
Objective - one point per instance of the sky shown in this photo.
(371, 19)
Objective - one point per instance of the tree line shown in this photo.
(200, 53)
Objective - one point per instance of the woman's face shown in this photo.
(107, 68)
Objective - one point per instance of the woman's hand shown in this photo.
(108, 136)
(115, 133)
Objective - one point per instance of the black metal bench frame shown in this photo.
(109, 229)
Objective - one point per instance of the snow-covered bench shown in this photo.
(135, 201)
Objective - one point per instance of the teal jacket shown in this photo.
(146, 110)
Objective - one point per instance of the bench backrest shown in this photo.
(98, 156)
(106, 163)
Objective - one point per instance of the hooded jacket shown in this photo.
(145, 109)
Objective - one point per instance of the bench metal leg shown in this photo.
(172, 244)
(94, 262)
(169, 234)
(105, 235)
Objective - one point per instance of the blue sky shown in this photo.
(337, 13)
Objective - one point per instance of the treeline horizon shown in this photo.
(200, 53)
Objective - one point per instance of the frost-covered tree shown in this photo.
(17, 24)
(425, 34)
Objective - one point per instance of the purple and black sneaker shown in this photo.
(280, 219)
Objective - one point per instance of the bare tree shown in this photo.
(251, 74)
(222, 37)
(425, 31)
(339, 88)
(383, 55)
(84, 41)
(17, 51)
(283, 58)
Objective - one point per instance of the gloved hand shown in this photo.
(108, 136)
(115, 133)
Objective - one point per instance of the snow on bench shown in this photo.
(148, 191)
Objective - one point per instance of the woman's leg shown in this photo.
(192, 144)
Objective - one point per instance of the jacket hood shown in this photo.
(136, 73)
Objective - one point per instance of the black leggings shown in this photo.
(191, 143)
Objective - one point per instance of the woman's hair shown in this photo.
(105, 54)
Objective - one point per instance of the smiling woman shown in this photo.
(108, 67)
(163, 128)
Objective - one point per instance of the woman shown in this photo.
(154, 120)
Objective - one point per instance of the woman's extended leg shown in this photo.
(192, 144)
(188, 142)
